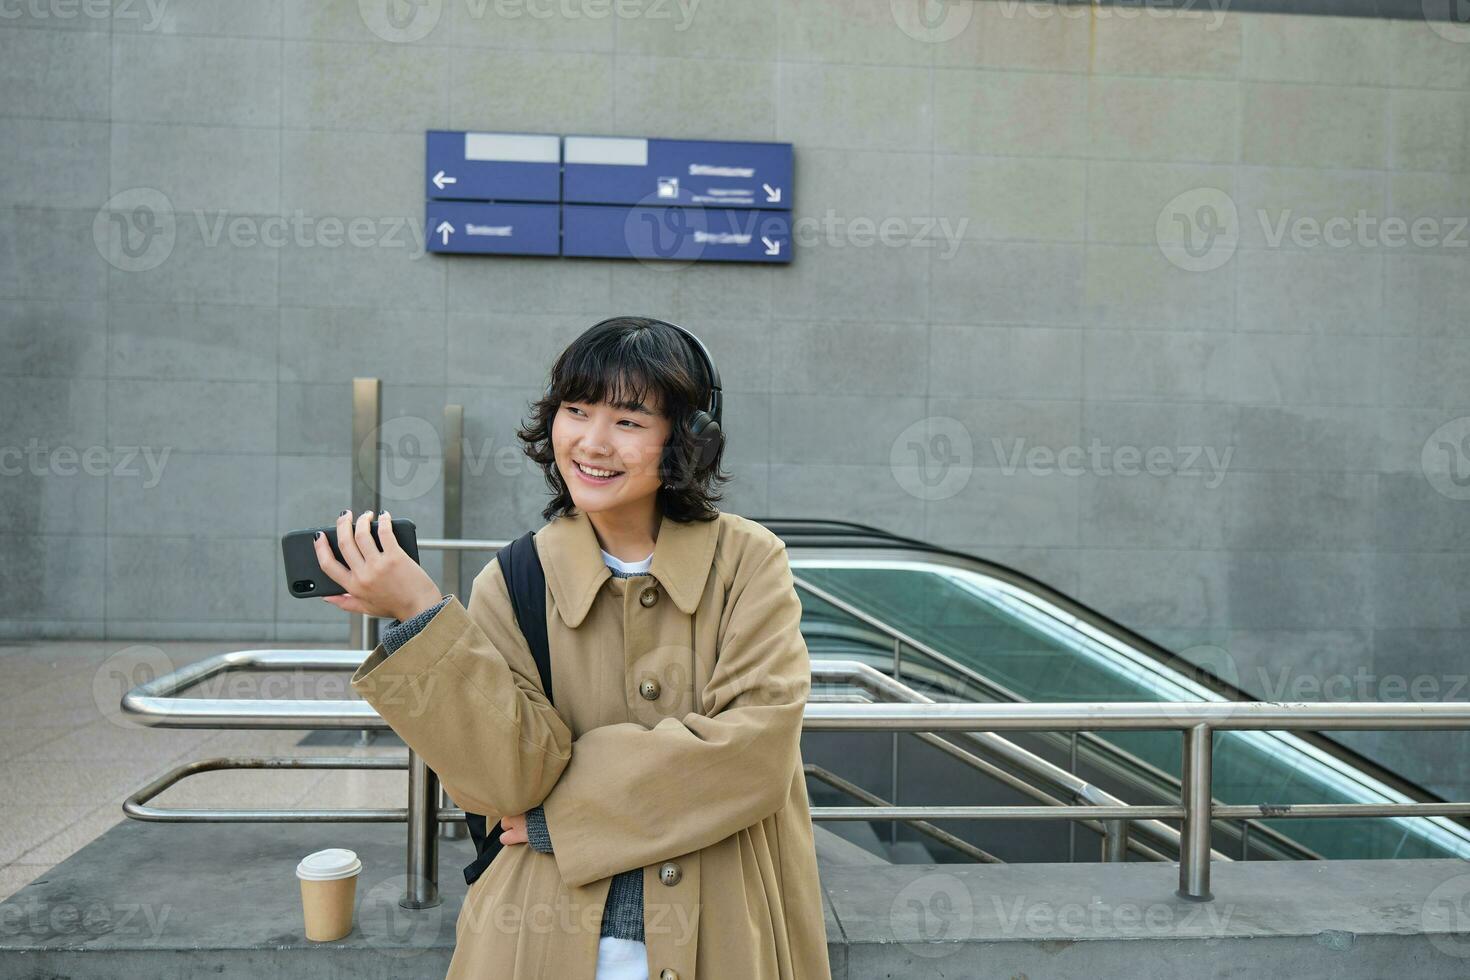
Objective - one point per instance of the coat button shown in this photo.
(649, 689)
(670, 873)
(667, 974)
(649, 596)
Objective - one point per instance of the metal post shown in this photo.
(423, 842)
(1072, 824)
(453, 528)
(366, 479)
(1194, 836)
(366, 412)
(1115, 839)
(893, 771)
(1245, 839)
(453, 493)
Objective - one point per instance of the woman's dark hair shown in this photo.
(619, 361)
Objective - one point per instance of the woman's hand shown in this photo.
(515, 830)
(383, 582)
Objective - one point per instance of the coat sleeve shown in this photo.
(464, 693)
(631, 795)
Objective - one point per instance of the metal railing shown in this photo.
(1037, 767)
(157, 703)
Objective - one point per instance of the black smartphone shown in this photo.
(304, 576)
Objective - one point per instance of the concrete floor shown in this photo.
(68, 756)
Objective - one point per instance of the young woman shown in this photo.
(662, 798)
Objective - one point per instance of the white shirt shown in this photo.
(627, 567)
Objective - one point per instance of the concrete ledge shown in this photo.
(182, 900)
(1305, 920)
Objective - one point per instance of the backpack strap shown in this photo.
(525, 580)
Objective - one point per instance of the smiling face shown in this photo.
(624, 439)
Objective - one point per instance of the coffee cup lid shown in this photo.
(329, 864)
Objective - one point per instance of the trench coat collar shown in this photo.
(575, 571)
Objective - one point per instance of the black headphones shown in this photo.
(704, 424)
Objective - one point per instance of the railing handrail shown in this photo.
(155, 703)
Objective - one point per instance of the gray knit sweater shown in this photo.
(623, 914)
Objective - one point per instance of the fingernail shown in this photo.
(342, 511)
(316, 535)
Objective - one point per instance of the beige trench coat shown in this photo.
(695, 777)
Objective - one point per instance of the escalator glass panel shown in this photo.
(1013, 645)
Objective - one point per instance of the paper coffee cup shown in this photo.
(328, 892)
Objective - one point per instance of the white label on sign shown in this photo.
(710, 170)
(497, 231)
(720, 238)
(511, 148)
(607, 150)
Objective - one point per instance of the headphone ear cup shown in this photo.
(708, 437)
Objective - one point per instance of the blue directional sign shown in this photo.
(689, 234)
(607, 197)
(493, 229)
(678, 173)
(493, 167)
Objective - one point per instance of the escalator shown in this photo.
(966, 629)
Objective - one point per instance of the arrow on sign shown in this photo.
(445, 229)
(440, 180)
(773, 194)
(772, 248)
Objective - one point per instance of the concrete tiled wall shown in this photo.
(1035, 295)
